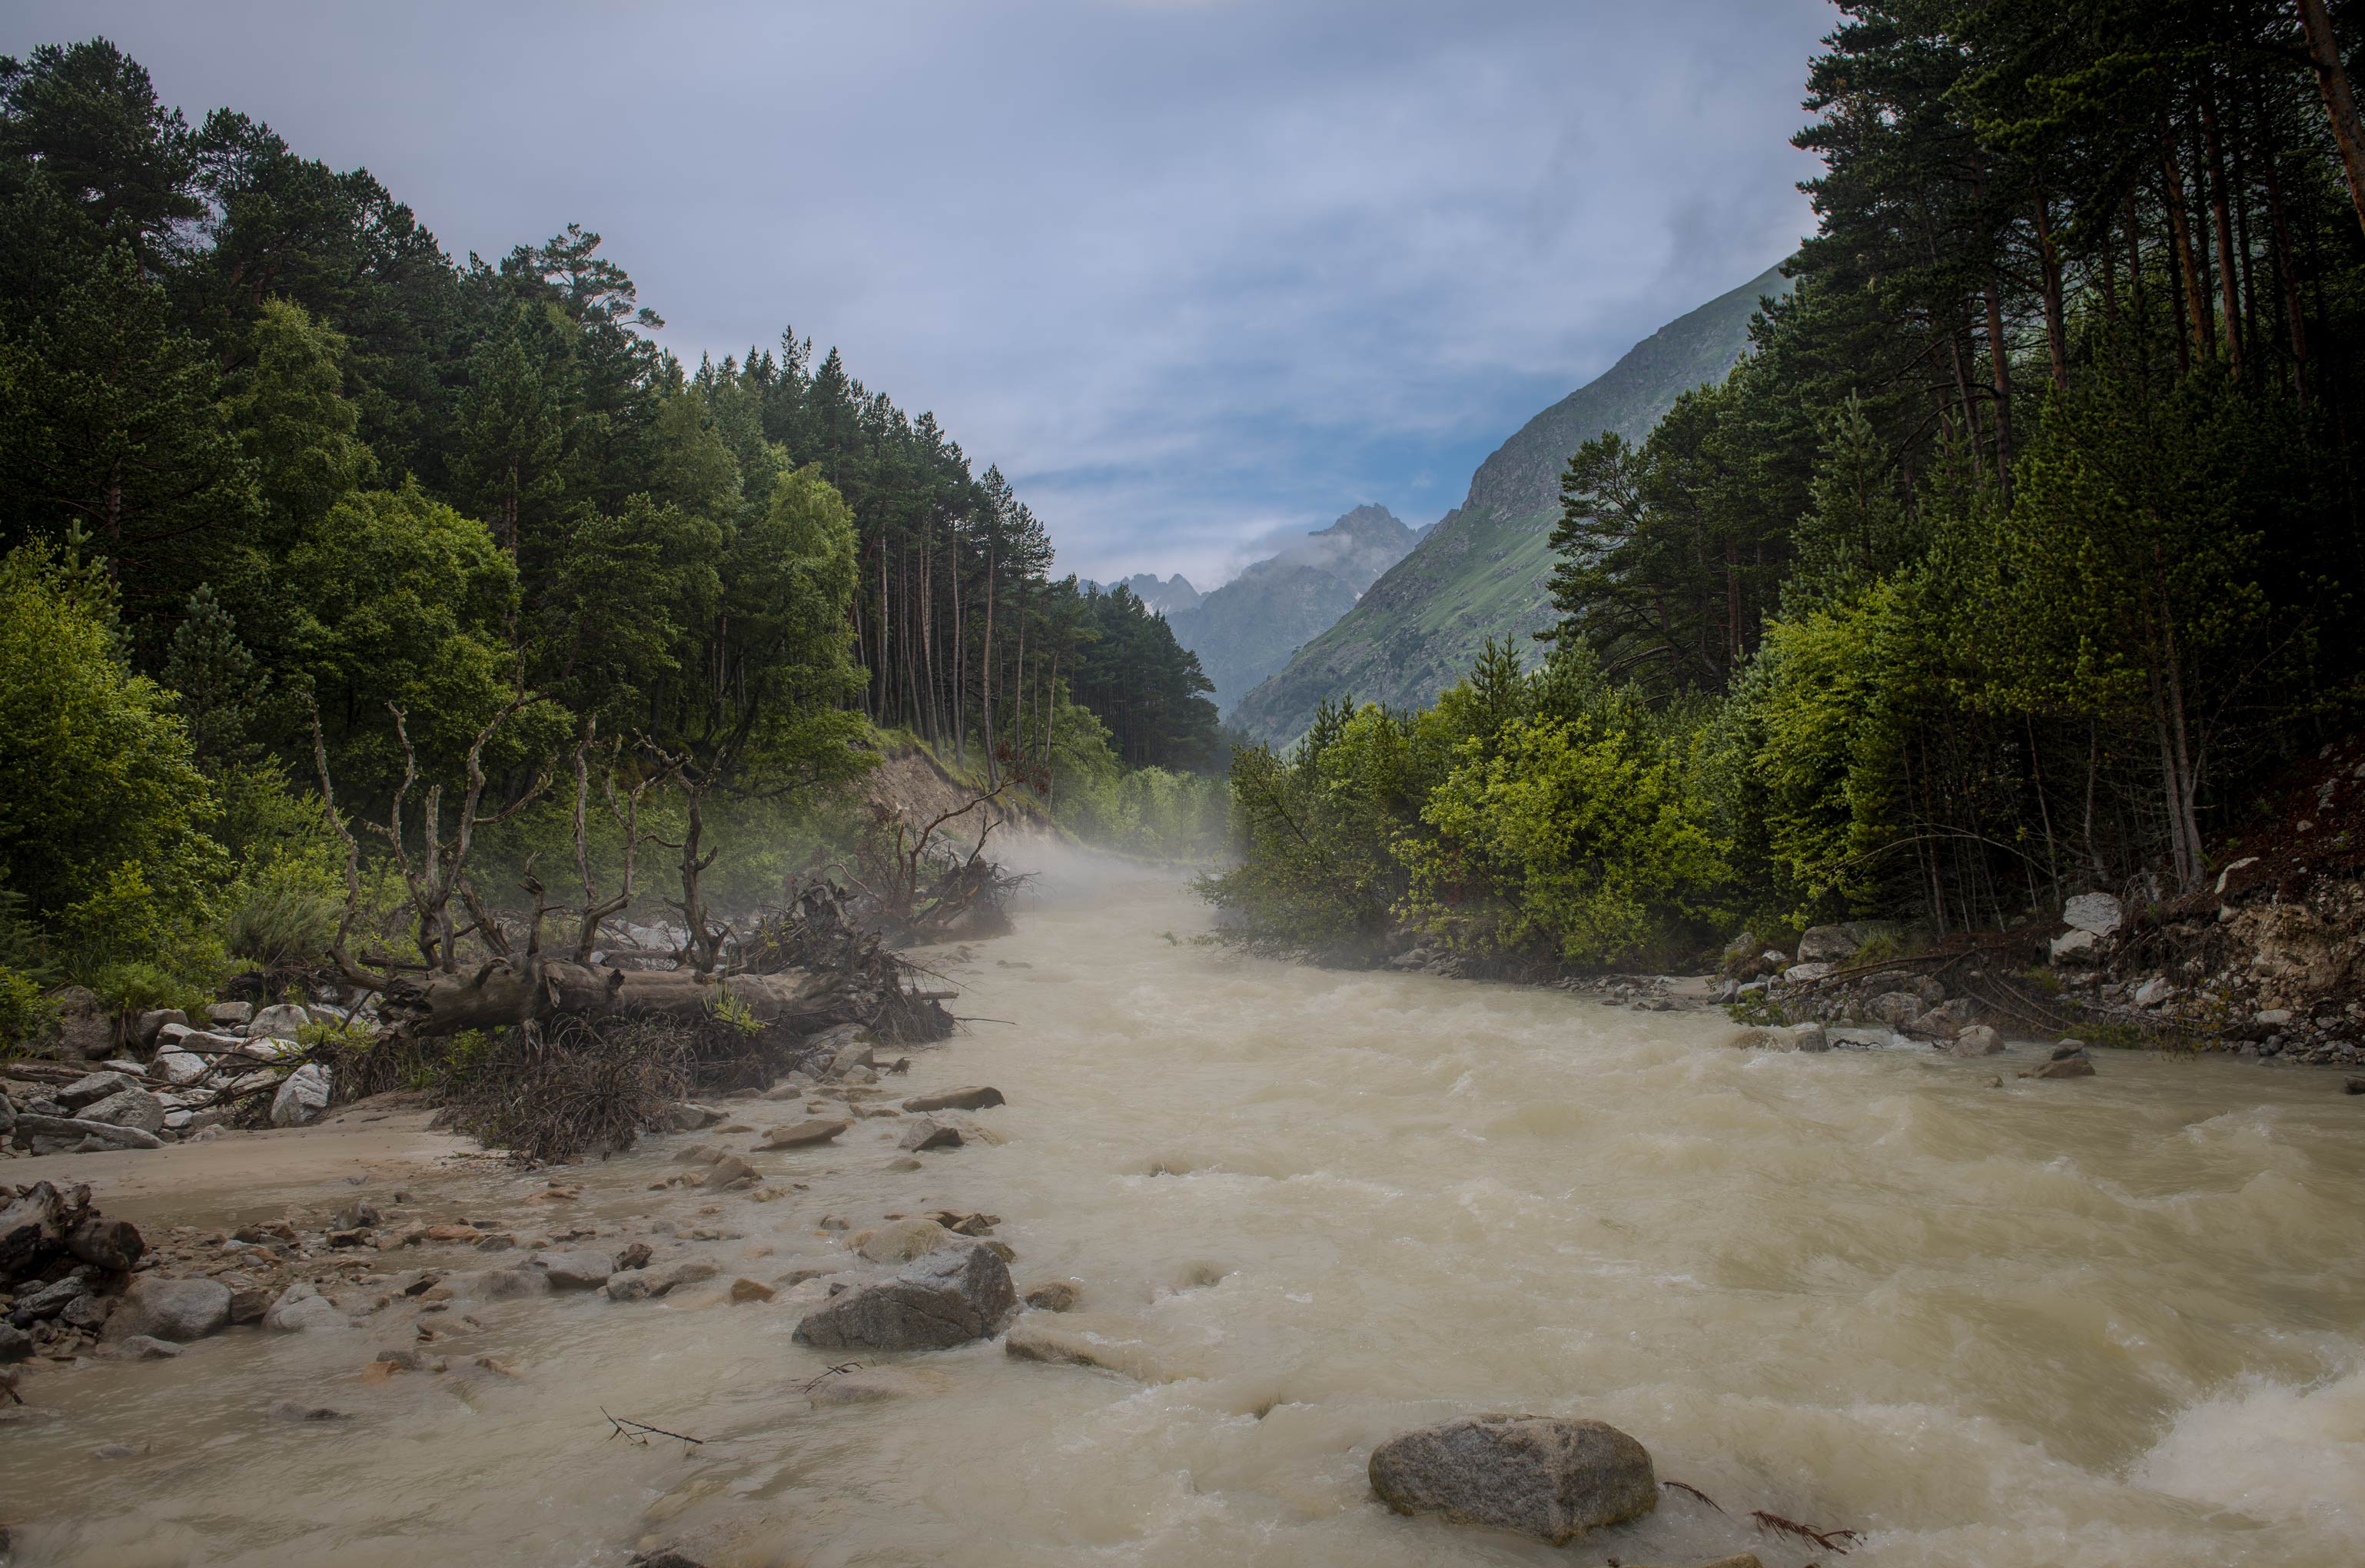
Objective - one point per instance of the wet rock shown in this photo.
(579, 1270)
(2077, 1066)
(147, 1347)
(247, 1305)
(1537, 1476)
(506, 1284)
(1896, 1008)
(949, 1297)
(746, 1290)
(899, 1241)
(975, 1098)
(732, 1172)
(923, 1136)
(1790, 1037)
(2353, 1086)
(1054, 1296)
(178, 1310)
(697, 1154)
(805, 1134)
(292, 1410)
(302, 1097)
(301, 1308)
(645, 1284)
(16, 1345)
(636, 1256)
(2154, 991)
(1947, 1020)
(279, 1023)
(45, 1302)
(689, 1118)
(870, 1386)
(1979, 1040)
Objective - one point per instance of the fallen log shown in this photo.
(503, 992)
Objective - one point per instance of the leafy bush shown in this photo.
(24, 1010)
(282, 924)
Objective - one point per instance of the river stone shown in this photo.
(1785, 1037)
(929, 1134)
(975, 1098)
(302, 1098)
(178, 1310)
(1979, 1040)
(2096, 912)
(2068, 1066)
(203, 1042)
(506, 1284)
(1054, 1296)
(302, 1308)
(641, 1285)
(579, 1270)
(2074, 946)
(278, 1023)
(899, 1241)
(947, 1298)
(732, 1172)
(805, 1133)
(1535, 1475)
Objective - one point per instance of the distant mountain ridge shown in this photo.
(1480, 571)
(1247, 628)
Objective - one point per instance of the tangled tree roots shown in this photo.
(823, 931)
(574, 1088)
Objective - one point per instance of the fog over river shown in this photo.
(2111, 1322)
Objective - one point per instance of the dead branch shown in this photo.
(640, 1431)
(1830, 1540)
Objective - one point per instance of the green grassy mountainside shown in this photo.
(1480, 571)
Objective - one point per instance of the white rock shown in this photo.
(2154, 991)
(205, 1042)
(2096, 912)
(2271, 1017)
(1801, 972)
(270, 1047)
(303, 1097)
(302, 1307)
(2224, 876)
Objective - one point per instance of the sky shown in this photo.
(1198, 274)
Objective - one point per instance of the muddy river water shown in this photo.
(2118, 1321)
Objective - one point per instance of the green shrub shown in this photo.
(24, 1012)
(282, 924)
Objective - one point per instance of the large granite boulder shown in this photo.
(176, 1310)
(949, 1297)
(1534, 1475)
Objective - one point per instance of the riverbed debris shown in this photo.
(1836, 1540)
(639, 1432)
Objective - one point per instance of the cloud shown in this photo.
(1192, 272)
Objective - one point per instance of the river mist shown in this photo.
(2111, 1322)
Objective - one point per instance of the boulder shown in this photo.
(975, 1098)
(2154, 991)
(1979, 1040)
(644, 1284)
(278, 1023)
(231, 1015)
(150, 1025)
(205, 1042)
(2096, 913)
(1053, 1295)
(1799, 974)
(2075, 947)
(93, 1088)
(302, 1097)
(73, 1130)
(1785, 1037)
(85, 1030)
(1535, 1475)
(506, 1284)
(1896, 1008)
(732, 1172)
(922, 1135)
(1829, 943)
(2068, 1060)
(1947, 1020)
(178, 1310)
(301, 1308)
(579, 1270)
(130, 1108)
(949, 1297)
(899, 1241)
(805, 1134)
(177, 1067)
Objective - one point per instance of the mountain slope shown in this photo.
(1480, 571)
(1247, 628)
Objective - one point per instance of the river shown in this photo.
(2118, 1321)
